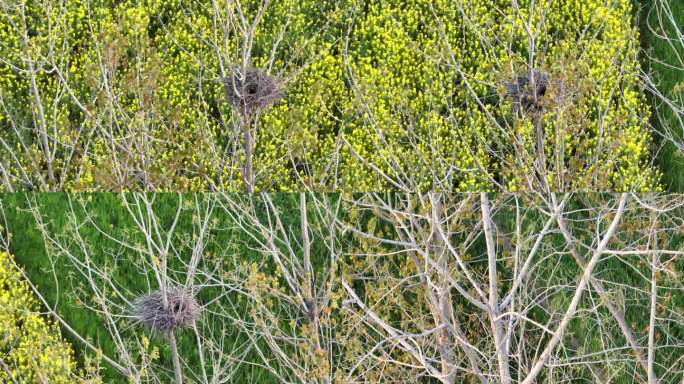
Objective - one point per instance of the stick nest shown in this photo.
(252, 90)
(182, 310)
(527, 89)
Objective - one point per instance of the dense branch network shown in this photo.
(376, 287)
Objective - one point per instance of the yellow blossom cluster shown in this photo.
(377, 94)
(31, 347)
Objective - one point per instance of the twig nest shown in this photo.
(181, 310)
(527, 89)
(252, 90)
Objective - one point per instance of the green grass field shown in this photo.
(58, 281)
(668, 159)
(107, 211)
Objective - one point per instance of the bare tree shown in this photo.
(316, 288)
(291, 292)
(517, 99)
(174, 267)
(510, 119)
(93, 101)
(273, 311)
(666, 93)
(496, 300)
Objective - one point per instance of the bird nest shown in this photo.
(252, 90)
(527, 90)
(181, 310)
